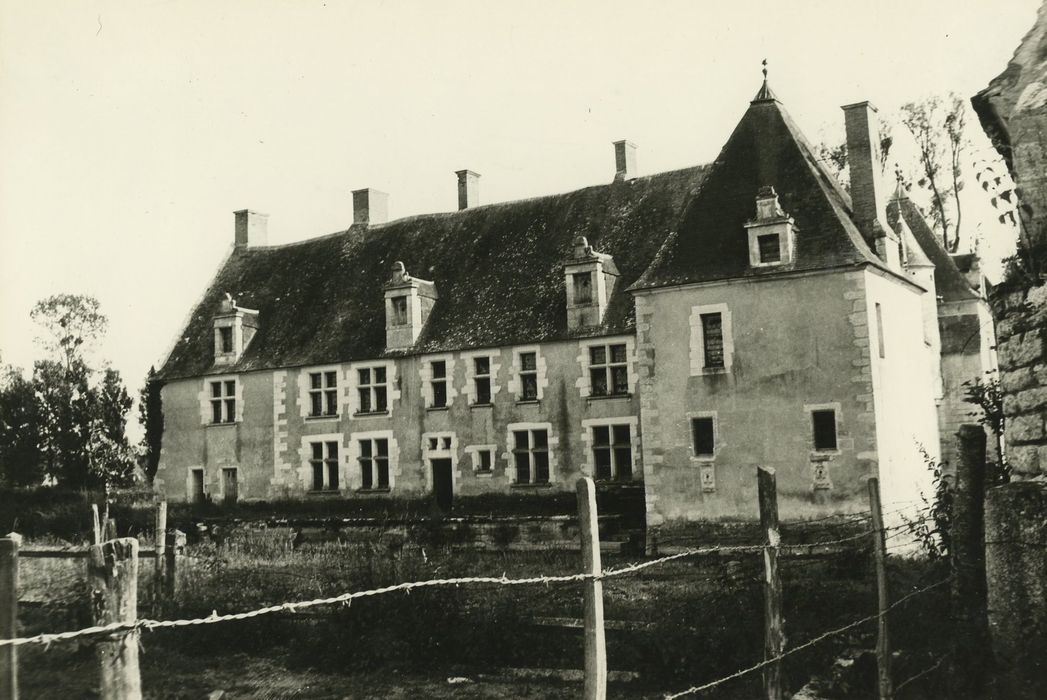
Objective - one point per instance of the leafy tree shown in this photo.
(938, 125)
(20, 425)
(151, 418)
(72, 322)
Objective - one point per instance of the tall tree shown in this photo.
(151, 418)
(937, 125)
(72, 324)
(21, 463)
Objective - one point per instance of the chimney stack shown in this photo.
(468, 189)
(250, 228)
(370, 207)
(624, 160)
(868, 194)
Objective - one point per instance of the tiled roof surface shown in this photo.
(498, 271)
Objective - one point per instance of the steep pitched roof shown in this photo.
(950, 284)
(497, 268)
(766, 148)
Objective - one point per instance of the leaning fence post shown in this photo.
(967, 557)
(774, 626)
(595, 643)
(9, 617)
(112, 570)
(883, 642)
(159, 540)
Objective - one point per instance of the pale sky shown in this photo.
(130, 131)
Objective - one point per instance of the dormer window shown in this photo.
(408, 301)
(590, 278)
(770, 233)
(234, 327)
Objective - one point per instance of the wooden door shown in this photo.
(443, 486)
(230, 488)
(196, 493)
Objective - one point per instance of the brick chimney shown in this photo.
(624, 160)
(468, 188)
(868, 193)
(250, 228)
(370, 207)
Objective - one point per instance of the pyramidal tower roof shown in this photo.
(766, 94)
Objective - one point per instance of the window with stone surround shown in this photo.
(438, 384)
(484, 461)
(373, 389)
(400, 317)
(712, 340)
(583, 287)
(769, 247)
(531, 456)
(481, 381)
(225, 334)
(324, 464)
(608, 370)
(703, 437)
(374, 464)
(528, 376)
(223, 401)
(712, 346)
(323, 393)
(612, 452)
(823, 426)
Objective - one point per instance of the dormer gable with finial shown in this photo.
(408, 303)
(771, 233)
(590, 278)
(234, 328)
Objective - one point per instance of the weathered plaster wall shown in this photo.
(797, 342)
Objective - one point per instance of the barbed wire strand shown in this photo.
(805, 645)
(937, 664)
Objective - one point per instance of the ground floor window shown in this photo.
(374, 464)
(612, 452)
(531, 456)
(324, 463)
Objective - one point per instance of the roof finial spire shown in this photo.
(765, 94)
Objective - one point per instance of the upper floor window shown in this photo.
(608, 370)
(374, 464)
(483, 460)
(482, 380)
(769, 247)
(372, 387)
(583, 287)
(223, 401)
(703, 436)
(712, 337)
(531, 456)
(324, 464)
(323, 393)
(438, 383)
(823, 423)
(612, 452)
(400, 311)
(529, 376)
(225, 343)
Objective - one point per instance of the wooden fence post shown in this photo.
(112, 570)
(774, 625)
(883, 642)
(967, 558)
(159, 541)
(109, 531)
(97, 524)
(9, 617)
(595, 642)
(170, 564)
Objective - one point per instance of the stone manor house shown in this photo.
(670, 331)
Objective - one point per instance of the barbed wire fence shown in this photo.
(113, 569)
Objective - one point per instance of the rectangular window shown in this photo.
(712, 335)
(482, 380)
(583, 287)
(372, 388)
(824, 424)
(323, 393)
(226, 334)
(484, 461)
(400, 311)
(612, 453)
(608, 370)
(374, 464)
(324, 463)
(770, 250)
(438, 382)
(531, 456)
(703, 436)
(528, 376)
(879, 329)
(223, 401)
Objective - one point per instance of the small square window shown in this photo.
(484, 461)
(769, 245)
(824, 424)
(583, 287)
(400, 311)
(226, 334)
